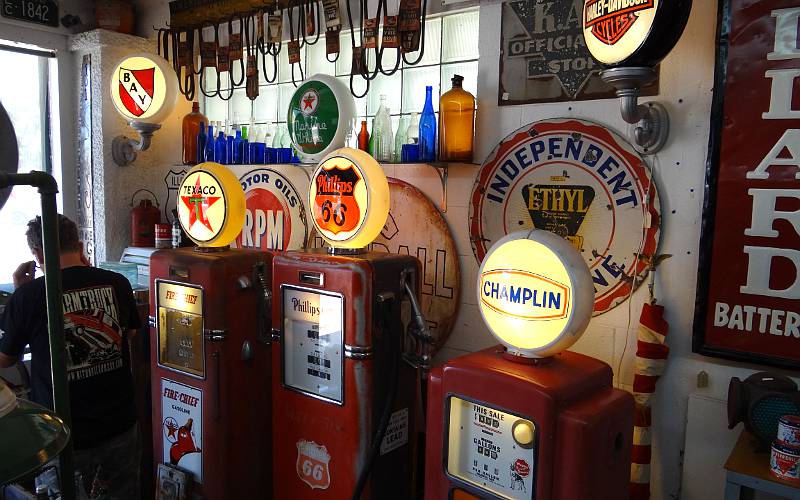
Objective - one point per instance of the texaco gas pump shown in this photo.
(528, 419)
(210, 349)
(345, 397)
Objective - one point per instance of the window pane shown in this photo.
(468, 70)
(391, 87)
(21, 97)
(345, 61)
(285, 91)
(266, 104)
(317, 63)
(414, 82)
(433, 44)
(360, 85)
(460, 38)
(216, 109)
(285, 69)
(240, 107)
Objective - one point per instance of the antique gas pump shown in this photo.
(210, 349)
(345, 394)
(526, 420)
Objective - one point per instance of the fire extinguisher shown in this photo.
(144, 218)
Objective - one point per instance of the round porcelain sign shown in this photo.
(276, 215)
(535, 293)
(580, 181)
(144, 88)
(349, 198)
(211, 205)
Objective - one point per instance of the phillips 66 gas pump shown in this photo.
(210, 349)
(526, 420)
(345, 397)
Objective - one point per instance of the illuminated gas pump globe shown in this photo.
(349, 199)
(535, 293)
(211, 205)
(144, 88)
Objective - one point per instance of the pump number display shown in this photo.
(487, 449)
(313, 339)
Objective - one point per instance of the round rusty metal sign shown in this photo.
(416, 227)
(581, 181)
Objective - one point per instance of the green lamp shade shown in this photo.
(30, 436)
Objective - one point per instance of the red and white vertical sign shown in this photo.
(749, 282)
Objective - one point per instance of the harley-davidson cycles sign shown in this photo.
(749, 273)
(580, 181)
(544, 56)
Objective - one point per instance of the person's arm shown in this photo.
(13, 333)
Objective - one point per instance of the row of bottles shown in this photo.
(415, 140)
(416, 137)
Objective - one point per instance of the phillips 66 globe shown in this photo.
(535, 293)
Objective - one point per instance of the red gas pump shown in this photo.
(525, 420)
(346, 387)
(210, 349)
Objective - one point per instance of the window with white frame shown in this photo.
(451, 47)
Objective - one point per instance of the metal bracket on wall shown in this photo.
(123, 149)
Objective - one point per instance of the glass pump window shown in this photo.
(180, 328)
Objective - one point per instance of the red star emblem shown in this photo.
(308, 101)
(171, 428)
(197, 204)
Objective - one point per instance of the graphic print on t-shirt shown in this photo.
(92, 332)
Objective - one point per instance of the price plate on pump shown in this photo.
(491, 449)
(313, 338)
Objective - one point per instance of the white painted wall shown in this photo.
(686, 90)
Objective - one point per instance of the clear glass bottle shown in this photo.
(400, 138)
(189, 131)
(412, 133)
(427, 129)
(456, 123)
(384, 141)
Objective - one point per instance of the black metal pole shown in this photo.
(48, 188)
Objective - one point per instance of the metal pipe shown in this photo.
(48, 188)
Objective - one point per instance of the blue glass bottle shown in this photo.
(209, 146)
(427, 129)
(236, 149)
(201, 144)
(244, 147)
(221, 149)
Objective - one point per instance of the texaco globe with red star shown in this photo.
(309, 102)
(210, 200)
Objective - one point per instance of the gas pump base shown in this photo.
(339, 324)
(579, 447)
(211, 374)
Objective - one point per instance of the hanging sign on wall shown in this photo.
(749, 272)
(581, 181)
(276, 215)
(544, 56)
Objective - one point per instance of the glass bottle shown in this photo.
(457, 123)
(371, 150)
(400, 138)
(427, 129)
(244, 147)
(200, 142)
(412, 133)
(221, 148)
(189, 131)
(363, 137)
(236, 149)
(384, 139)
(210, 150)
(230, 146)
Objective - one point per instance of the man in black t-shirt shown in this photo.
(99, 316)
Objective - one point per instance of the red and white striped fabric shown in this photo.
(651, 357)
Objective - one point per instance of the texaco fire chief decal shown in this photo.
(581, 181)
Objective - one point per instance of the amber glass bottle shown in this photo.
(363, 137)
(191, 127)
(456, 123)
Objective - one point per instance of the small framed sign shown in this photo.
(32, 11)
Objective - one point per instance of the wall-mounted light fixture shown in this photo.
(629, 41)
(144, 91)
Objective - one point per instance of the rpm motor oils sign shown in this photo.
(582, 182)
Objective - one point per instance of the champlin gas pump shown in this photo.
(528, 419)
(210, 349)
(346, 389)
